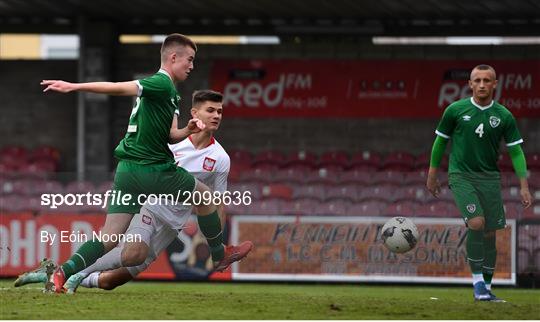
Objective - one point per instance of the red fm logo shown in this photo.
(252, 94)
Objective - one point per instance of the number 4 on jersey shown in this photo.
(480, 130)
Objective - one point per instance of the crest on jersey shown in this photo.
(494, 121)
(471, 208)
(209, 164)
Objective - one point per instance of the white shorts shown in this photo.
(154, 232)
(174, 216)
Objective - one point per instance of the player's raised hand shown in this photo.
(433, 185)
(526, 198)
(195, 125)
(57, 86)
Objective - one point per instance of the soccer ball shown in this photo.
(399, 234)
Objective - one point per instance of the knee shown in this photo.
(134, 254)
(204, 208)
(476, 223)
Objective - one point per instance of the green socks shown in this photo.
(210, 226)
(475, 250)
(490, 258)
(85, 256)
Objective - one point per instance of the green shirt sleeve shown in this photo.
(154, 86)
(511, 132)
(437, 151)
(447, 123)
(518, 160)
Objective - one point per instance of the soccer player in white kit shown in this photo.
(158, 223)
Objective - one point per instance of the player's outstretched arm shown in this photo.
(520, 167)
(110, 88)
(437, 152)
(177, 135)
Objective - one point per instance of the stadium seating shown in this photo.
(253, 187)
(533, 161)
(419, 176)
(292, 173)
(332, 208)
(399, 161)
(414, 193)
(346, 191)
(314, 191)
(356, 176)
(367, 184)
(239, 156)
(405, 208)
(239, 209)
(46, 153)
(367, 208)
(445, 195)
(263, 173)
(334, 158)
(330, 174)
(511, 194)
(366, 158)
(382, 192)
(387, 177)
(422, 161)
(505, 163)
(80, 187)
(270, 207)
(270, 157)
(277, 191)
(434, 209)
(302, 157)
(300, 207)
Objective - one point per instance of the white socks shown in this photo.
(477, 278)
(91, 280)
(109, 261)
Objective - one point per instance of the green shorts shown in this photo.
(479, 197)
(133, 183)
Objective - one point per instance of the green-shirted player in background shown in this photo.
(146, 165)
(476, 126)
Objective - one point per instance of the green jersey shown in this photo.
(476, 133)
(150, 122)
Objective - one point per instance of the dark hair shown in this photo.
(177, 39)
(203, 95)
(485, 67)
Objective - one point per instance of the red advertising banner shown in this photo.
(350, 249)
(26, 239)
(332, 88)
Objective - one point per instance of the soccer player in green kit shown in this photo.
(476, 126)
(146, 165)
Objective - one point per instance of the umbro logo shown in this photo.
(466, 117)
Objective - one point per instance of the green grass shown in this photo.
(264, 301)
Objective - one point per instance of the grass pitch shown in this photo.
(151, 301)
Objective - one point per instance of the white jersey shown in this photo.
(210, 165)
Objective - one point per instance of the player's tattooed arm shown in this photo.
(110, 88)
